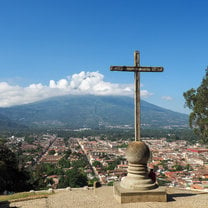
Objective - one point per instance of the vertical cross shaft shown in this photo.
(137, 97)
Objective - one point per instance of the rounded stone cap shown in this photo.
(137, 152)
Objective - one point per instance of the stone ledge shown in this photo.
(130, 196)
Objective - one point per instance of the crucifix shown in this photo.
(136, 69)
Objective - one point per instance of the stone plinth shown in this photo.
(138, 178)
(131, 196)
(138, 186)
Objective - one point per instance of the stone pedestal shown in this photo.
(137, 186)
(131, 196)
(138, 178)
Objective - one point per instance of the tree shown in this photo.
(97, 164)
(80, 164)
(76, 178)
(64, 163)
(178, 167)
(51, 152)
(63, 182)
(73, 178)
(67, 153)
(29, 139)
(197, 101)
(11, 178)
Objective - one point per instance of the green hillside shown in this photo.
(7, 124)
(91, 112)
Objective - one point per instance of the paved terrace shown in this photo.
(103, 198)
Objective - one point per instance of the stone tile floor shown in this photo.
(103, 198)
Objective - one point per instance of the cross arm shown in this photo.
(137, 68)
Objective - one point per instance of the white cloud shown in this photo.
(81, 83)
(145, 94)
(168, 98)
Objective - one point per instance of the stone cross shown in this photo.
(136, 69)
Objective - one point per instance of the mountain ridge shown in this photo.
(90, 111)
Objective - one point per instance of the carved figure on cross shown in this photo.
(136, 69)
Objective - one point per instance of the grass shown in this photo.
(23, 196)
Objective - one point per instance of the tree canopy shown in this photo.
(197, 101)
(74, 178)
(11, 178)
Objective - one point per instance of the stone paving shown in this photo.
(103, 198)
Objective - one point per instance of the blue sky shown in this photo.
(55, 47)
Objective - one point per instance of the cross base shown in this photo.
(137, 178)
(123, 195)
